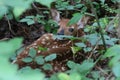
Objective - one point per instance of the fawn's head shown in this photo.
(64, 29)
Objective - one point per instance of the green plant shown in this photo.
(114, 63)
(16, 7)
(33, 19)
(51, 26)
(77, 71)
(7, 48)
(64, 5)
(40, 60)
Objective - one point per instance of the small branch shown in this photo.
(101, 33)
(9, 25)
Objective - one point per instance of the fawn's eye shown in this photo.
(71, 29)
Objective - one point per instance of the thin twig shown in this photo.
(104, 72)
(97, 20)
(9, 25)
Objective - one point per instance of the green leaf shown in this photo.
(114, 60)
(103, 1)
(54, 77)
(27, 59)
(18, 11)
(30, 74)
(19, 7)
(95, 74)
(92, 38)
(45, 2)
(42, 48)
(86, 66)
(25, 20)
(24, 69)
(30, 17)
(116, 69)
(32, 52)
(113, 51)
(87, 49)
(50, 57)
(62, 36)
(63, 76)
(3, 10)
(47, 66)
(30, 22)
(76, 17)
(6, 68)
(7, 48)
(75, 76)
(80, 44)
(39, 60)
(75, 49)
(71, 64)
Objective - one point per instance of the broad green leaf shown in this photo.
(92, 38)
(95, 74)
(25, 20)
(29, 17)
(63, 76)
(71, 64)
(62, 36)
(54, 77)
(27, 59)
(3, 10)
(32, 52)
(76, 17)
(27, 68)
(6, 68)
(113, 51)
(114, 60)
(39, 60)
(45, 2)
(50, 57)
(80, 44)
(75, 76)
(30, 22)
(18, 11)
(116, 69)
(103, 1)
(7, 48)
(30, 74)
(47, 66)
(86, 66)
(16, 6)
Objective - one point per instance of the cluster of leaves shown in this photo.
(17, 7)
(7, 48)
(40, 60)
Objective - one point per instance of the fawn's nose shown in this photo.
(61, 32)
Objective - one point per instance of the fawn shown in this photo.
(53, 45)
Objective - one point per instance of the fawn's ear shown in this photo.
(55, 15)
(83, 21)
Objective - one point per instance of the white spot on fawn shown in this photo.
(47, 37)
(43, 42)
(38, 51)
(34, 44)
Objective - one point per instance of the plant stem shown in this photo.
(100, 31)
